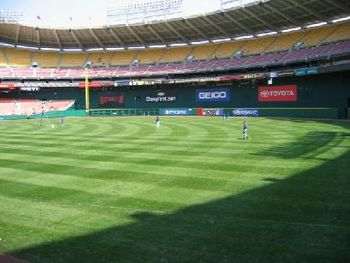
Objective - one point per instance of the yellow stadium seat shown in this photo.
(257, 46)
(203, 52)
(285, 41)
(18, 58)
(73, 59)
(150, 56)
(46, 59)
(3, 62)
(100, 59)
(123, 57)
(228, 49)
(176, 54)
(316, 36)
(342, 32)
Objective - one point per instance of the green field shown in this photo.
(121, 190)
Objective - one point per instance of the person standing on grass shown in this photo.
(245, 130)
(62, 121)
(157, 122)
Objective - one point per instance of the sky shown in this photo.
(80, 13)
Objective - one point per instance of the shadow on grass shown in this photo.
(305, 218)
(307, 146)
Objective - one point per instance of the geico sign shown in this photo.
(213, 95)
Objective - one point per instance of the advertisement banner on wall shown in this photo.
(212, 112)
(277, 93)
(213, 95)
(246, 112)
(158, 99)
(176, 112)
(111, 100)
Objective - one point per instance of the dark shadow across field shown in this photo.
(307, 146)
(305, 218)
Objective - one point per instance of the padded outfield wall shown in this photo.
(313, 91)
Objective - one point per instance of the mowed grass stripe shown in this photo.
(210, 172)
(210, 156)
(122, 154)
(149, 146)
(61, 217)
(55, 194)
(118, 188)
(151, 178)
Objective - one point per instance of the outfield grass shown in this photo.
(121, 190)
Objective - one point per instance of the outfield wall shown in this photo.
(314, 91)
(331, 91)
(331, 113)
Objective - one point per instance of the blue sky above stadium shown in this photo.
(75, 13)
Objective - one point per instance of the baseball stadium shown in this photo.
(174, 131)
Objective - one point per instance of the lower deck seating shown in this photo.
(28, 107)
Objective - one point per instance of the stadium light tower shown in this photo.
(88, 65)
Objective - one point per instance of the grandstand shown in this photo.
(271, 50)
(17, 58)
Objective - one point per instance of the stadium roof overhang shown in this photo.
(264, 17)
